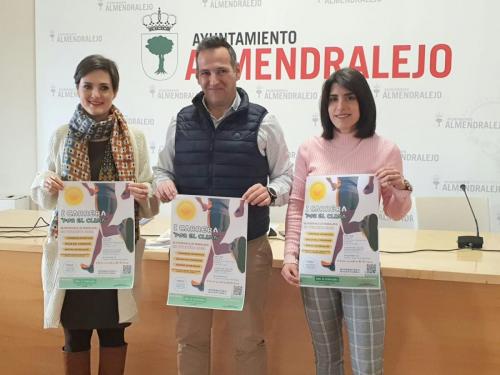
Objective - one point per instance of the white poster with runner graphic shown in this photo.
(339, 238)
(208, 252)
(96, 236)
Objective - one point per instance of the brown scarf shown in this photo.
(118, 163)
(82, 129)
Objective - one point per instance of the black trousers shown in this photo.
(78, 340)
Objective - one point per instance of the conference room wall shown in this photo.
(18, 154)
(431, 66)
(17, 100)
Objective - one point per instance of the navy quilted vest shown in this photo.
(225, 161)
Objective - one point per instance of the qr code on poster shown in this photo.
(237, 290)
(127, 269)
(371, 268)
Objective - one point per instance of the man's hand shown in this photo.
(166, 191)
(257, 195)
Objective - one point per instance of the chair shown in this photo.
(452, 213)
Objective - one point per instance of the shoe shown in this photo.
(369, 186)
(127, 231)
(197, 285)
(126, 193)
(239, 211)
(369, 226)
(239, 249)
(329, 265)
(89, 268)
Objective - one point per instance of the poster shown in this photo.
(339, 240)
(96, 236)
(208, 252)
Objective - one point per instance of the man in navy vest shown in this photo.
(223, 145)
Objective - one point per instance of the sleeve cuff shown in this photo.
(290, 258)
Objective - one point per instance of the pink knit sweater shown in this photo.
(344, 154)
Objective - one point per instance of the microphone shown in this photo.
(472, 242)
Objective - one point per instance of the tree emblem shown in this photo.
(160, 46)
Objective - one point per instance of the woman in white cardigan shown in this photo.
(96, 145)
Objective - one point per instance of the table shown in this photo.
(443, 310)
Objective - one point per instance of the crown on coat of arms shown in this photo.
(159, 21)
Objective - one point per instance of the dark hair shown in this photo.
(355, 82)
(215, 41)
(97, 62)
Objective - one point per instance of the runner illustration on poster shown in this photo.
(347, 200)
(208, 252)
(339, 237)
(219, 219)
(107, 201)
(96, 236)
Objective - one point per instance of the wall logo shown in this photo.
(436, 181)
(439, 119)
(63, 92)
(159, 54)
(284, 94)
(315, 118)
(74, 37)
(473, 187)
(349, 2)
(386, 221)
(140, 121)
(171, 94)
(421, 157)
(123, 6)
(232, 3)
(481, 117)
(259, 91)
(469, 123)
(404, 93)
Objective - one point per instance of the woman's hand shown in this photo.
(53, 184)
(290, 273)
(389, 176)
(139, 191)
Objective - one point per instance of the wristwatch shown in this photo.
(272, 194)
(407, 185)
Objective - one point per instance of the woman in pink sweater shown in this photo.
(348, 145)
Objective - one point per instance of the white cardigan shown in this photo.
(54, 297)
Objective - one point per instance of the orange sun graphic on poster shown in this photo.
(317, 191)
(73, 195)
(186, 210)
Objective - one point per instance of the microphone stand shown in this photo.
(472, 242)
